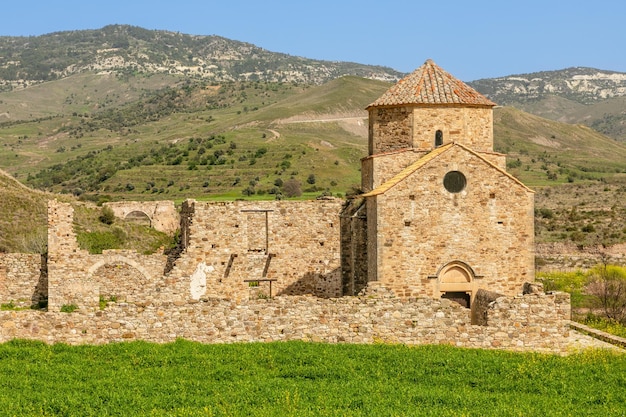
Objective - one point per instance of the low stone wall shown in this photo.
(365, 319)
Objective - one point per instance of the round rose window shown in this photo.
(454, 181)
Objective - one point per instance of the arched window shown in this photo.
(438, 138)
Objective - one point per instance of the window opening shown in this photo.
(454, 181)
(257, 230)
(438, 138)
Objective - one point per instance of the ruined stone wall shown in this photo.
(354, 247)
(368, 319)
(76, 277)
(294, 243)
(422, 227)
(22, 279)
(162, 214)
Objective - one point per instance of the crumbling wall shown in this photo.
(161, 214)
(354, 247)
(23, 280)
(295, 244)
(76, 277)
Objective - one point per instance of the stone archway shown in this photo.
(120, 279)
(455, 282)
(139, 217)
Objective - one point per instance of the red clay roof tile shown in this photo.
(430, 84)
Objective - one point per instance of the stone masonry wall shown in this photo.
(294, 243)
(162, 214)
(366, 319)
(470, 126)
(390, 129)
(396, 128)
(22, 279)
(77, 277)
(422, 227)
(377, 169)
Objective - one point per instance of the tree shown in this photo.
(311, 179)
(292, 188)
(608, 285)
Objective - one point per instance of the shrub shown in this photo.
(546, 213)
(68, 308)
(573, 283)
(107, 216)
(608, 286)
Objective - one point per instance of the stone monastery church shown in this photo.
(437, 249)
(440, 217)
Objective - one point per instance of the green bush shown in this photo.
(68, 308)
(107, 216)
(571, 282)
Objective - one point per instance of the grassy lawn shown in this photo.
(304, 379)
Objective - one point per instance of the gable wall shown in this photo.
(421, 227)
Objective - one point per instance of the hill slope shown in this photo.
(204, 140)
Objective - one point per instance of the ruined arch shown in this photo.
(119, 277)
(139, 217)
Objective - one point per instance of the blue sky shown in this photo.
(472, 40)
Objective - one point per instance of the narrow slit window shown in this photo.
(438, 138)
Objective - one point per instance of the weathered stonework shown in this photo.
(395, 128)
(294, 243)
(420, 228)
(23, 279)
(538, 323)
(161, 215)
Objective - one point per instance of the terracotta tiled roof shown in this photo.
(429, 84)
(402, 175)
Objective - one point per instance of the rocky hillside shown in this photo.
(133, 51)
(588, 96)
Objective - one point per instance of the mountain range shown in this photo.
(132, 50)
(596, 98)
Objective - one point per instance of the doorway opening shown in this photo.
(462, 298)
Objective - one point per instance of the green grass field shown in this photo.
(304, 379)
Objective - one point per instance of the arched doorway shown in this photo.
(455, 282)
